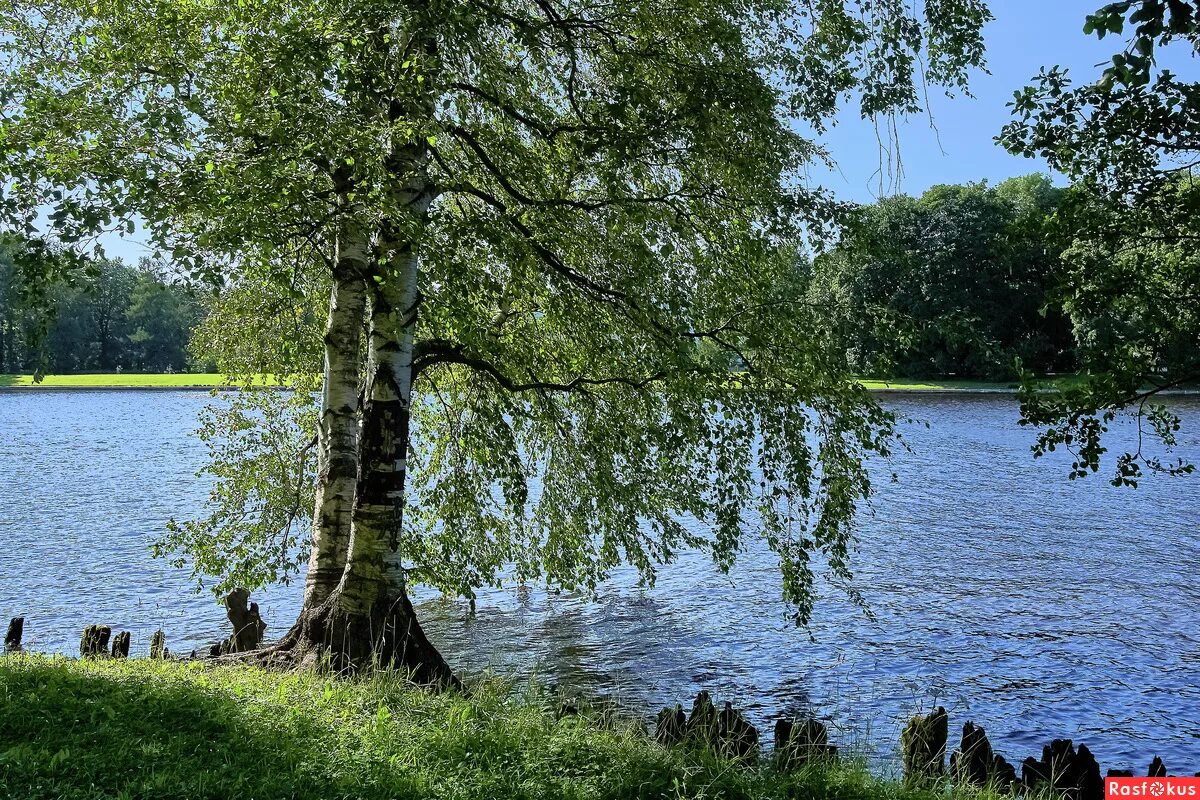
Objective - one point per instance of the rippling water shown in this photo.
(1035, 606)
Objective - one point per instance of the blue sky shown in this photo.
(1025, 36)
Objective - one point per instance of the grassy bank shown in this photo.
(142, 729)
(212, 380)
(177, 380)
(939, 386)
(106, 380)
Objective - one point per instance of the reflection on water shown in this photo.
(1036, 606)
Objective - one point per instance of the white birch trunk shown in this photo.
(374, 572)
(337, 432)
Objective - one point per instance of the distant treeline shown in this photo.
(109, 316)
(956, 282)
(965, 281)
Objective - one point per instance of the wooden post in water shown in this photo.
(671, 726)
(94, 642)
(120, 645)
(738, 738)
(158, 645)
(923, 747)
(1064, 771)
(16, 629)
(703, 725)
(798, 742)
(974, 763)
(248, 627)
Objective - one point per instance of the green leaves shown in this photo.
(953, 283)
(1130, 140)
(609, 276)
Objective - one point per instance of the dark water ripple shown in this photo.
(1036, 606)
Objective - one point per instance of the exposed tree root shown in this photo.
(325, 637)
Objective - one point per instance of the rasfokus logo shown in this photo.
(1151, 788)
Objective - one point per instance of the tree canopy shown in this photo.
(108, 316)
(561, 221)
(955, 282)
(1130, 140)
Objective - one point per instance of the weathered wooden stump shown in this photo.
(1067, 772)
(738, 738)
(248, 626)
(923, 746)
(671, 726)
(94, 642)
(798, 743)
(704, 726)
(975, 763)
(158, 646)
(1091, 784)
(120, 645)
(1003, 775)
(16, 629)
(1157, 769)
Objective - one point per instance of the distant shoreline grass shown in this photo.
(213, 380)
(124, 380)
(947, 386)
(134, 728)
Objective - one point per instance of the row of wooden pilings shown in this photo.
(1070, 772)
(248, 630)
(94, 643)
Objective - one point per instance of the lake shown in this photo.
(1033, 605)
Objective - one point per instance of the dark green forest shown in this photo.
(975, 282)
(110, 317)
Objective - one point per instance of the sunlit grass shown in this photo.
(144, 729)
(216, 380)
(900, 385)
(123, 380)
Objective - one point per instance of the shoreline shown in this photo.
(213, 382)
(501, 742)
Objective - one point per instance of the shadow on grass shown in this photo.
(7, 381)
(146, 729)
(66, 733)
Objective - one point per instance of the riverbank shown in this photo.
(208, 381)
(176, 380)
(126, 728)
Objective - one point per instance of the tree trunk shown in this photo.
(368, 619)
(337, 431)
(102, 332)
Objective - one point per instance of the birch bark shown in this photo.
(337, 432)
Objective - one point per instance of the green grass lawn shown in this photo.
(900, 385)
(143, 729)
(124, 380)
(212, 379)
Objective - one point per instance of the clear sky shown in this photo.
(1025, 36)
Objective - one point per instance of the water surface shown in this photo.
(1036, 606)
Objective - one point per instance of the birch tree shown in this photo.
(567, 231)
